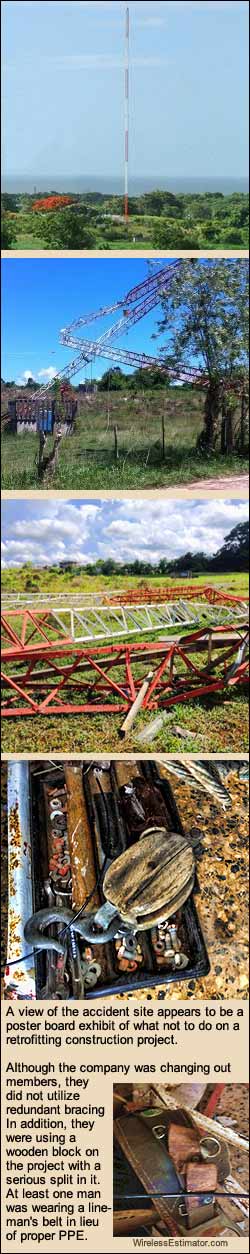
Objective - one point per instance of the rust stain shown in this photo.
(14, 926)
(15, 829)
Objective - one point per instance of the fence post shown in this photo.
(116, 445)
(163, 437)
(42, 442)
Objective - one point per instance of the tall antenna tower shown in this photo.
(126, 111)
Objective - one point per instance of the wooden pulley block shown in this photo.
(152, 879)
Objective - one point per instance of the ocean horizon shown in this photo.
(109, 185)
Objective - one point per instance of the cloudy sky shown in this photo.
(64, 88)
(47, 531)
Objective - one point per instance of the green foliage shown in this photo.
(170, 234)
(207, 310)
(8, 203)
(66, 229)
(8, 232)
(234, 554)
(157, 219)
(112, 381)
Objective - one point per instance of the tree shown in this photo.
(160, 202)
(66, 229)
(52, 202)
(8, 232)
(206, 307)
(8, 202)
(170, 233)
(234, 554)
(148, 378)
(112, 380)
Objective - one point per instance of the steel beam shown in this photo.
(19, 980)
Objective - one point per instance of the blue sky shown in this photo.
(63, 87)
(41, 295)
(50, 530)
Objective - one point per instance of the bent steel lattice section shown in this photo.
(64, 678)
(139, 301)
(108, 621)
(149, 594)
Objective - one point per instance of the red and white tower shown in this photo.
(126, 110)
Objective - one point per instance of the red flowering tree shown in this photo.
(52, 202)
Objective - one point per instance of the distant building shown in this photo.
(88, 388)
(183, 574)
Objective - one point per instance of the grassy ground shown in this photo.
(53, 581)
(219, 723)
(26, 241)
(87, 458)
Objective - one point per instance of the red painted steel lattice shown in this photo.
(190, 591)
(57, 677)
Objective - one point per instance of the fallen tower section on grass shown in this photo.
(61, 677)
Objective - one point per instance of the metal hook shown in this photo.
(100, 936)
(43, 919)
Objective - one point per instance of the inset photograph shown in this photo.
(181, 1160)
(125, 878)
(121, 129)
(130, 374)
(124, 624)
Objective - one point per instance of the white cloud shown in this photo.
(58, 532)
(168, 529)
(46, 532)
(27, 374)
(47, 373)
(67, 521)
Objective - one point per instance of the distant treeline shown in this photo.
(206, 219)
(155, 203)
(113, 380)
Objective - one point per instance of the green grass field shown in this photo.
(87, 458)
(38, 579)
(218, 723)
